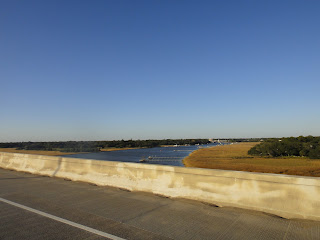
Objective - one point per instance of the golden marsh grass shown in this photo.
(235, 157)
(37, 152)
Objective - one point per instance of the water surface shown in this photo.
(159, 155)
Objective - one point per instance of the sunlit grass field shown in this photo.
(55, 153)
(235, 157)
(114, 149)
(37, 152)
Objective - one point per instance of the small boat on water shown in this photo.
(143, 159)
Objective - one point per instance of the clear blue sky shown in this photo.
(102, 70)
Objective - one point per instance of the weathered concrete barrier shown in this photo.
(283, 195)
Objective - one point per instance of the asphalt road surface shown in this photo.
(37, 207)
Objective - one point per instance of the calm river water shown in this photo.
(159, 155)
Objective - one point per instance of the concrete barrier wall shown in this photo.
(282, 195)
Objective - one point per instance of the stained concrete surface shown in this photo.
(282, 195)
(130, 215)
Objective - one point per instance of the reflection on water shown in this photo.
(160, 155)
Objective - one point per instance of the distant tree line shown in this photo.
(245, 139)
(300, 146)
(95, 146)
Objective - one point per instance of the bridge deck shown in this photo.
(129, 215)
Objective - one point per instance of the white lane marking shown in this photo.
(77, 225)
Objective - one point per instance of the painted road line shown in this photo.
(62, 220)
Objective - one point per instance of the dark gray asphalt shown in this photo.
(129, 215)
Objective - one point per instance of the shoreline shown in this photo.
(56, 152)
(38, 152)
(116, 149)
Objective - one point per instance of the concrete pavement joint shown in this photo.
(230, 226)
(144, 213)
(285, 235)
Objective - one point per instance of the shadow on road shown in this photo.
(19, 178)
